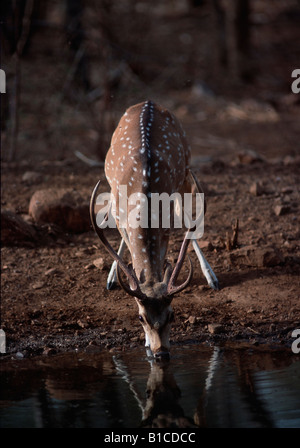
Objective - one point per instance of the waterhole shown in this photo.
(199, 387)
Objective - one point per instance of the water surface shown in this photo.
(200, 386)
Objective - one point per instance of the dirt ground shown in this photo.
(246, 155)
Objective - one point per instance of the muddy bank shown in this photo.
(54, 295)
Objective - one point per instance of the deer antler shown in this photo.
(171, 288)
(130, 275)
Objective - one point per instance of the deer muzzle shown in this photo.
(162, 355)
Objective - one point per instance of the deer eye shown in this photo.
(141, 318)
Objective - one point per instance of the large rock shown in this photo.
(14, 230)
(64, 207)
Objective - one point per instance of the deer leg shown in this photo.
(112, 281)
(205, 267)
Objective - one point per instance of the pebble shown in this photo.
(49, 351)
(215, 328)
(89, 266)
(82, 323)
(248, 157)
(281, 210)
(100, 263)
(205, 245)
(134, 339)
(192, 320)
(287, 190)
(256, 189)
(32, 177)
(38, 285)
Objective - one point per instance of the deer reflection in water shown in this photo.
(162, 408)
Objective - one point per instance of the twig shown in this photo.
(72, 71)
(87, 160)
(254, 331)
(235, 233)
(231, 243)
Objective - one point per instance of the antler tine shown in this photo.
(130, 275)
(135, 293)
(171, 288)
(175, 289)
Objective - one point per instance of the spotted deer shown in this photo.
(149, 154)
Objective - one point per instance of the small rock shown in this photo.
(103, 333)
(89, 266)
(288, 160)
(113, 350)
(32, 177)
(38, 285)
(100, 263)
(203, 288)
(287, 190)
(281, 210)
(251, 311)
(192, 320)
(205, 245)
(249, 156)
(27, 218)
(82, 323)
(256, 189)
(49, 351)
(134, 339)
(215, 328)
(270, 257)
